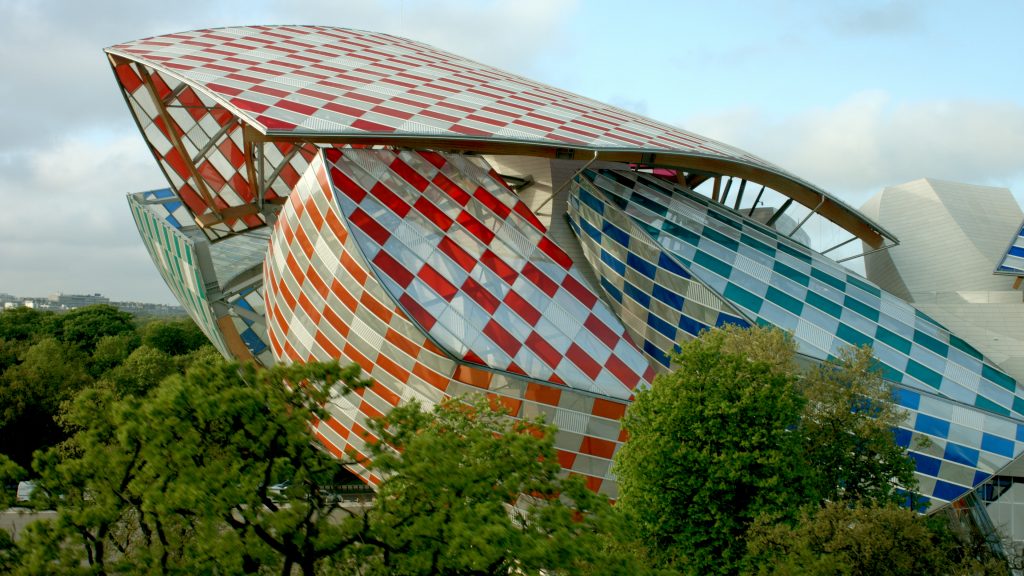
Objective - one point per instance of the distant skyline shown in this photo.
(852, 96)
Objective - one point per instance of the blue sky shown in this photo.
(852, 96)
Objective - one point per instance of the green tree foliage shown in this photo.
(111, 351)
(712, 447)
(738, 433)
(847, 432)
(19, 329)
(173, 337)
(10, 473)
(445, 504)
(26, 323)
(31, 392)
(868, 540)
(140, 371)
(46, 358)
(11, 351)
(179, 481)
(84, 326)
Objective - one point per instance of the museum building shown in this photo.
(455, 228)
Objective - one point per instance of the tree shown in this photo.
(31, 393)
(445, 505)
(238, 431)
(180, 481)
(84, 326)
(847, 428)
(85, 480)
(46, 358)
(26, 323)
(10, 473)
(175, 337)
(713, 446)
(140, 372)
(872, 539)
(111, 351)
(11, 351)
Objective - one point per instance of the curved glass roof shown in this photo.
(323, 84)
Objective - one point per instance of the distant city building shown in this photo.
(77, 300)
(59, 302)
(454, 228)
(8, 300)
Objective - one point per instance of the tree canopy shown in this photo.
(160, 457)
(48, 358)
(179, 481)
(872, 539)
(712, 447)
(445, 506)
(846, 431)
(739, 462)
(84, 326)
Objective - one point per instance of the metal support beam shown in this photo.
(862, 254)
(756, 201)
(569, 180)
(714, 192)
(778, 213)
(840, 245)
(739, 195)
(806, 218)
(725, 195)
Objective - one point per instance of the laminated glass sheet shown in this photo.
(671, 307)
(465, 257)
(1013, 261)
(173, 252)
(957, 427)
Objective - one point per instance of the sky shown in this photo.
(850, 95)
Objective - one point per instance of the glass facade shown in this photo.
(327, 200)
(959, 400)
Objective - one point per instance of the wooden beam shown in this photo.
(1017, 281)
(229, 213)
(233, 339)
(799, 192)
(116, 60)
(172, 135)
(248, 142)
(694, 179)
(681, 179)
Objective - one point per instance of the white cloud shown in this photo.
(868, 141)
(898, 17)
(508, 34)
(67, 225)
